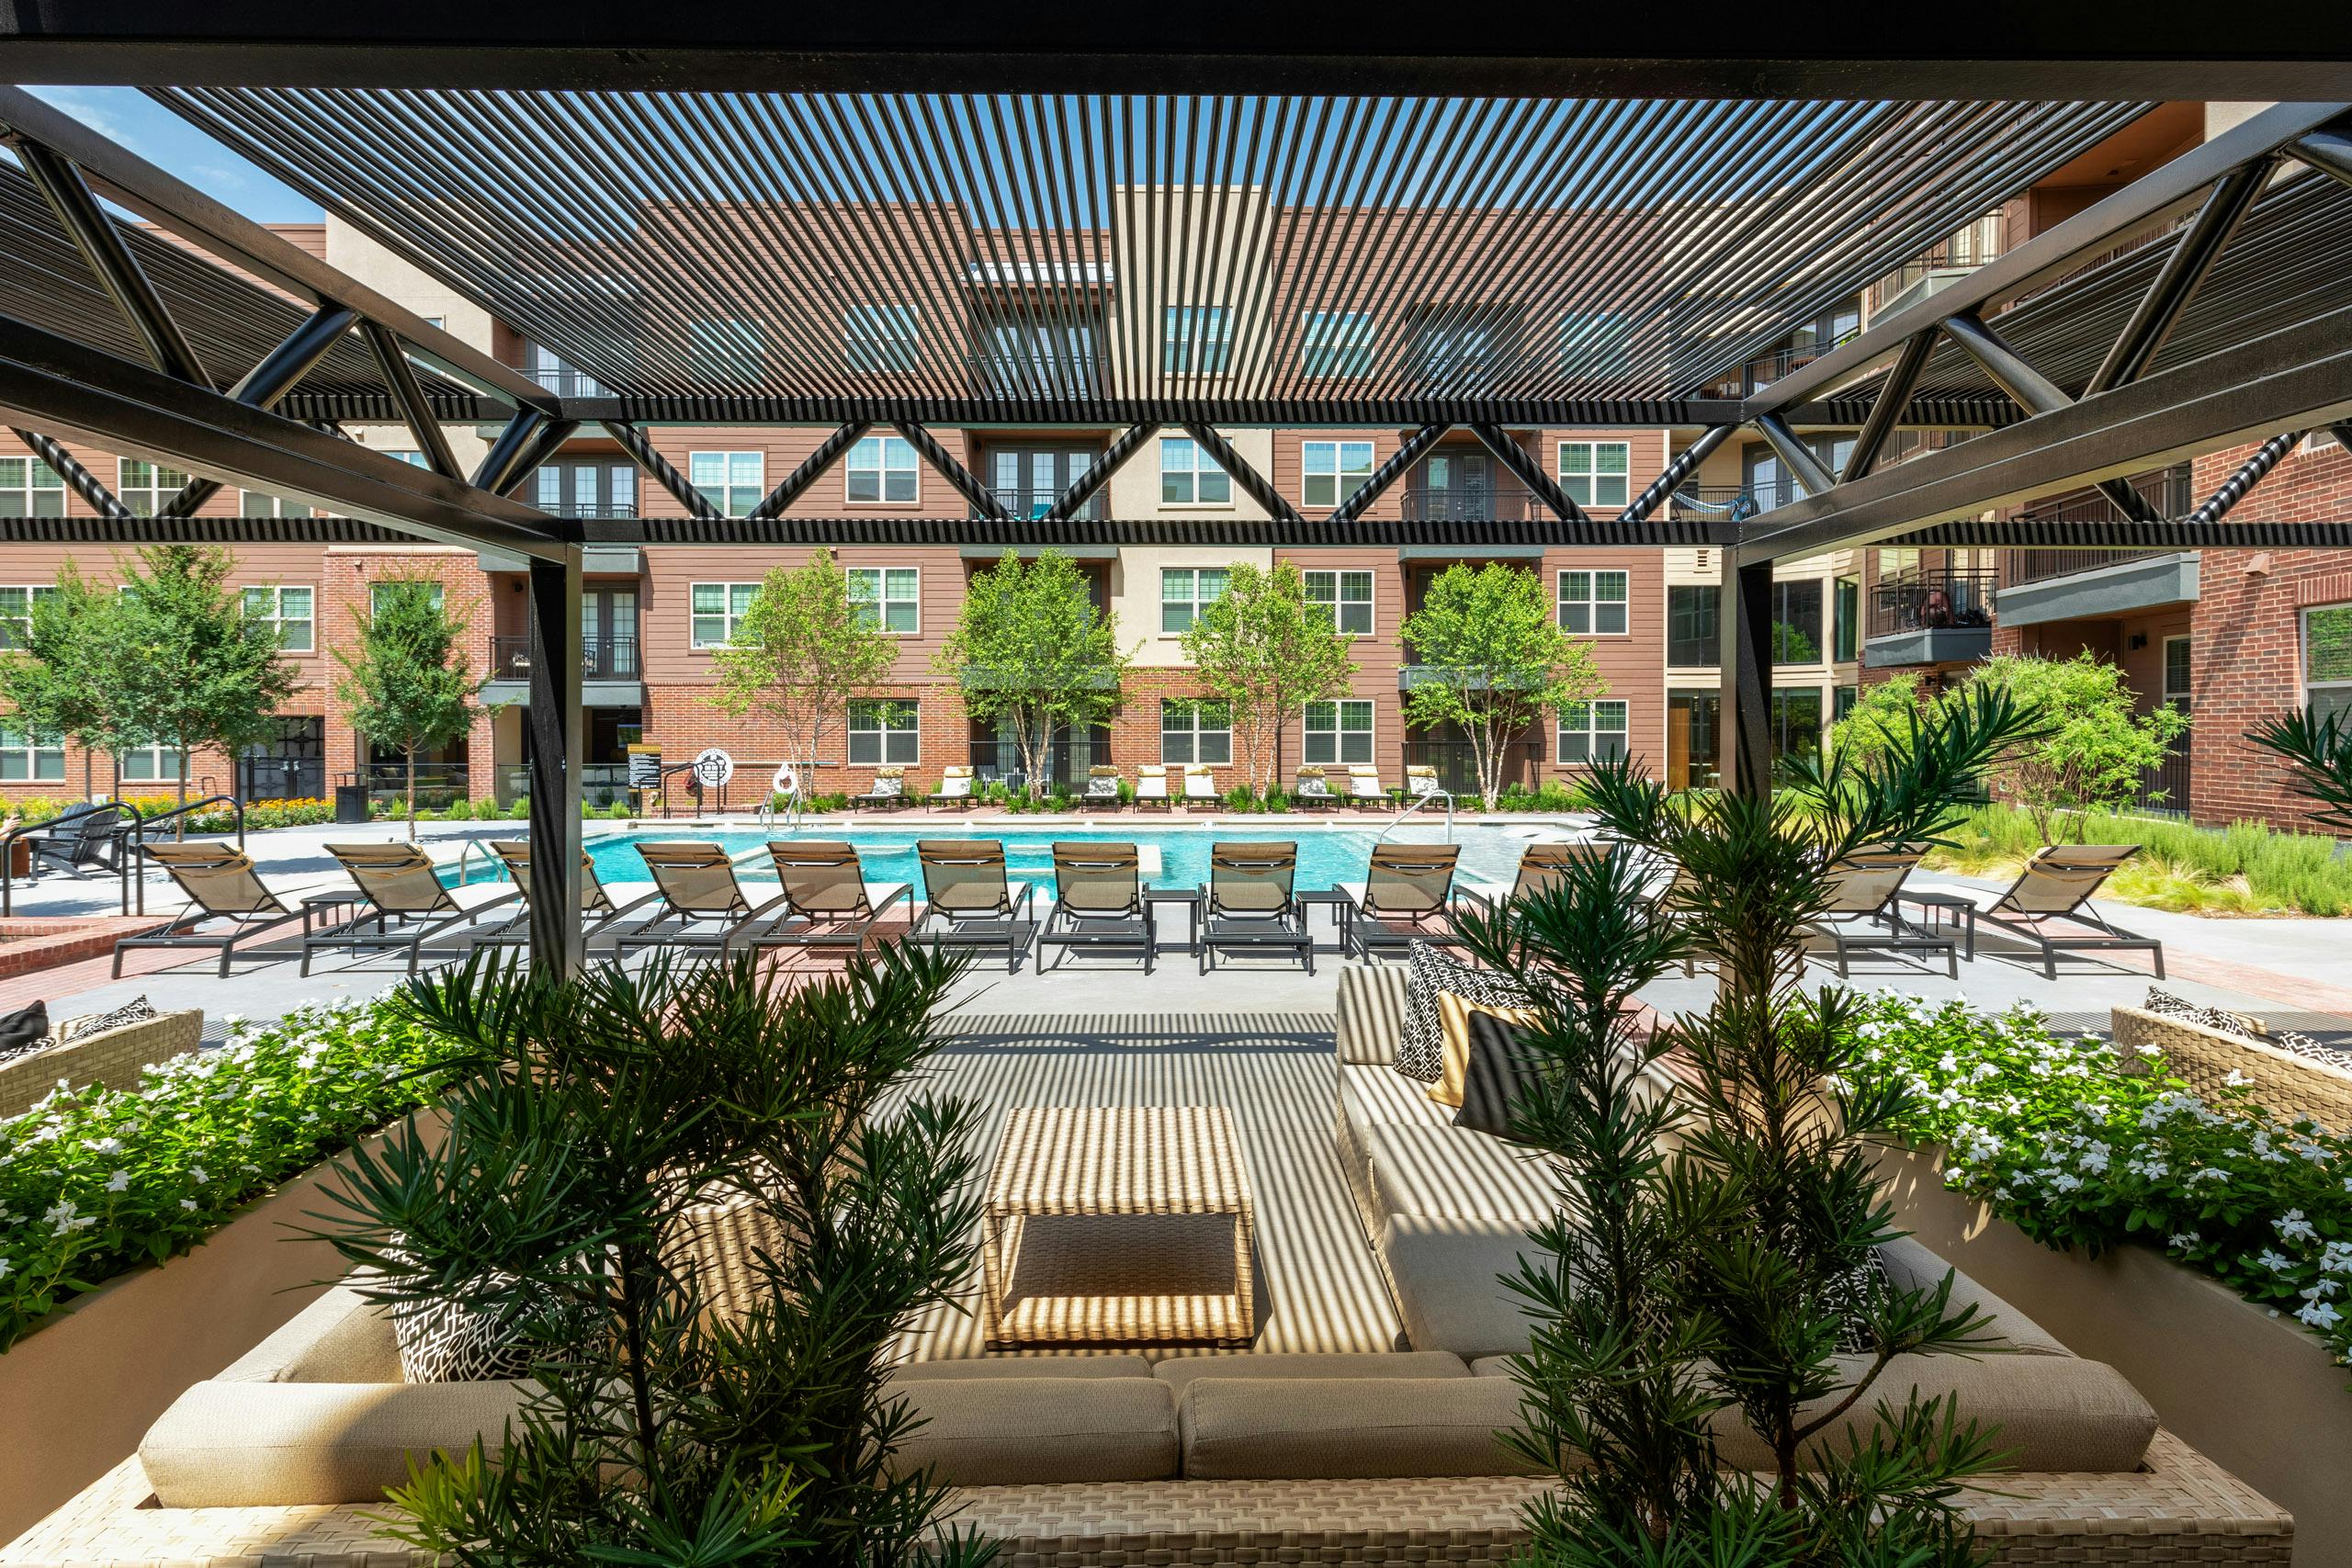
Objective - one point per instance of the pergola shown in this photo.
(1584, 234)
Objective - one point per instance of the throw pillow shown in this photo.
(2311, 1050)
(132, 1012)
(1455, 1017)
(1429, 970)
(1492, 1078)
(23, 1033)
(470, 1339)
(2243, 1024)
(1854, 1293)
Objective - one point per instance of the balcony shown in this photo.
(1931, 617)
(2044, 585)
(1764, 369)
(1031, 501)
(1505, 502)
(565, 381)
(609, 673)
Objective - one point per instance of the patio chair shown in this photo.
(956, 784)
(1311, 790)
(1366, 787)
(598, 910)
(828, 902)
(1543, 866)
(1151, 786)
(1102, 785)
(402, 896)
(79, 839)
(221, 884)
(1420, 781)
(1200, 783)
(966, 889)
(1407, 896)
(1252, 903)
(1098, 901)
(2055, 888)
(888, 790)
(1862, 900)
(703, 907)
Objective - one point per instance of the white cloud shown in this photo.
(79, 103)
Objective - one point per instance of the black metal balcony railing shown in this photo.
(1760, 372)
(590, 511)
(1932, 600)
(601, 659)
(565, 381)
(2165, 787)
(2039, 566)
(2167, 490)
(1507, 501)
(1457, 764)
(1024, 500)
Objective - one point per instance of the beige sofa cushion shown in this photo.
(992, 1431)
(1284, 1429)
(1023, 1367)
(1372, 1013)
(1181, 1371)
(1911, 1266)
(1383, 1097)
(1446, 1276)
(232, 1445)
(337, 1339)
(1437, 1173)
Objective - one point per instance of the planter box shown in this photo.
(2255, 1394)
(36, 941)
(81, 1391)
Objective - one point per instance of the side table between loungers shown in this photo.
(1118, 1224)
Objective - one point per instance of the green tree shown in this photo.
(1880, 719)
(191, 670)
(62, 680)
(407, 681)
(802, 649)
(1268, 651)
(1705, 1363)
(2092, 750)
(1492, 662)
(1030, 649)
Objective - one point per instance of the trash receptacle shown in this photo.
(350, 804)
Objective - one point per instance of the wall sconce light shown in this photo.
(2137, 641)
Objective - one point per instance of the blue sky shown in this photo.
(161, 137)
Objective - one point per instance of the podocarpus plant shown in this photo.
(2318, 752)
(1702, 1272)
(615, 1128)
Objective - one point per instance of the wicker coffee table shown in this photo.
(1118, 1224)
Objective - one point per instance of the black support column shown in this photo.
(556, 743)
(1744, 619)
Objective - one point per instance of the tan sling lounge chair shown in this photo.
(403, 900)
(598, 910)
(2055, 889)
(1252, 903)
(966, 892)
(221, 884)
(1862, 915)
(1098, 900)
(1407, 896)
(703, 906)
(828, 902)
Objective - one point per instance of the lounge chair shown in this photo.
(1098, 900)
(1407, 896)
(1102, 785)
(956, 783)
(1200, 785)
(598, 910)
(1311, 789)
(966, 889)
(1366, 787)
(1862, 901)
(402, 897)
(79, 839)
(221, 884)
(1251, 903)
(703, 907)
(1420, 781)
(2056, 886)
(1151, 785)
(888, 790)
(828, 902)
(1543, 866)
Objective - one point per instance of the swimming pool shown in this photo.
(1327, 855)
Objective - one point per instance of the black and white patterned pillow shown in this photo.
(475, 1339)
(2246, 1026)
(2311, 1050)
(1420, 1052)
(135, 1011)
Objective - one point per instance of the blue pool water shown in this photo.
(1327, 856)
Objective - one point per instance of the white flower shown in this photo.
(2236, 1079)
(2335, 1257)
(2209, 1174)
(106, 1147)
(2320, 1315)
(6, 1267)
(187, 1202)
(2292, 1227)
(119, 1182)
(2272, 1261)
(2065, 1182)
(2184, 1241)
(195, 1173)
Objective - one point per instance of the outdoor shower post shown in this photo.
(556, 744)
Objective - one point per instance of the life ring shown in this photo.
(787, 780)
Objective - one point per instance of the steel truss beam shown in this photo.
(2033, 391)
(392, 361)
(659, 468)
(267, 382)
(1098, 473)
(2186, 534)
(85, 484)
(967, 484)
(1253, 484)
(56, 384)
(1677, 473)
(1376, 484)
(119, 272)
(1601, 414)
(1527, 471)
(788, 488)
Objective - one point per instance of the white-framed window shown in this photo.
(30, 488)
(886, 596)
(883, 731)
(1336, 342)
(732, 481)
(158, 763)
(728, 348)
(879, 337)
(289, 613)
(1196, 340)
(1195, 730)
(715, 608)
(261, 504)
(1347, 596)
(376, 591)
(144, 487)
(1594, 472)
(27, 758)
(2327, 660)
(883, 469)
(1593, 731)
(1190, 477)
(1332, 470)
(1184, 592)
(2179, 688)
(1593, 604)
(17, 612)
(1338, 732)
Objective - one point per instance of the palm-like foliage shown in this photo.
(709, 1203)
(2318, 752)
(1700, 1277)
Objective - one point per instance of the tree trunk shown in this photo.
(409, 755)
(179, 823)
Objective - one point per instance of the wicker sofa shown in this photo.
(2288, 1086)
(115, 1057)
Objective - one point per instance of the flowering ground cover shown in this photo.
(97, 1181)
(2059, 1140)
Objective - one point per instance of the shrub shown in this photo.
(97, 1181)
(618, 810)
(2245, 867)
(488, 810)
(2056, 1138)
(1242, 797)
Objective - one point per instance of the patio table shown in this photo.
(1118, 1224)
(1959, 908)
(1191, 900)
